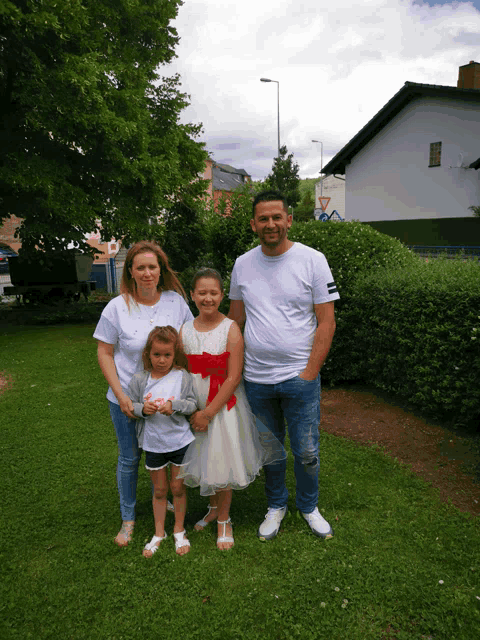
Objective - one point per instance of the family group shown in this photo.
(207, 404)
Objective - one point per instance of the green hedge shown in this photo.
(415, 331)
(352, 249)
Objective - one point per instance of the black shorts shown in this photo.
(155, 461)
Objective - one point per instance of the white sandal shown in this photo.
(153, 545)
(181, 541)
(203, 523)
(225, 538)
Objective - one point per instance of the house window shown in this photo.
(435, 154)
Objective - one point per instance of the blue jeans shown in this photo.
(128, 459)
(297, 402)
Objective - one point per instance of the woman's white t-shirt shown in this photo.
(128, 329)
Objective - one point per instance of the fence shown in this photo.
(107, 275)
(434, 251)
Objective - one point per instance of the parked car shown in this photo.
(5, 253)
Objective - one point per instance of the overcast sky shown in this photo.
(337, 65)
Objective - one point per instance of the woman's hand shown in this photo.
(199, 421)
(126, 405)
(166, 409)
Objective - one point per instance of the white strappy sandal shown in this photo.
(153, 545)
(225, 538)
(181, 541)
(201, 524)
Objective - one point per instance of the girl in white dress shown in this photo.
(230, 446)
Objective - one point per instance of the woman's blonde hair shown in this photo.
(168, 280)
(166, 335)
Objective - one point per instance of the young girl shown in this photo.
(160, 395)
(230, 445)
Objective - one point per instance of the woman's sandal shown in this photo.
(125, 534)
(153, 545)
(201, 524)
(225, 538)
(181, 541)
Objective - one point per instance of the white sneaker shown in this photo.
(318, 524)
(271, 525)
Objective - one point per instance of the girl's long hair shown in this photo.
(168, 280)
(166, 335)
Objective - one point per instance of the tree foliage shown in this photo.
(476, 211)
(90, 135)
(304, 211)
(284, 177)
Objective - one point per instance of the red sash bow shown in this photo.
(215, 367)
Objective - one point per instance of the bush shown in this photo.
(228, 234)
(415, 331)
(352, 249)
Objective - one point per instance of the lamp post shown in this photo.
(278, 108)
(321, 166)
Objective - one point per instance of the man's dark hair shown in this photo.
(269, 196)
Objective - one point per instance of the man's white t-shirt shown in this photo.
(279, 293)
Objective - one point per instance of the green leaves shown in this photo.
(91, 134)
(284, 177)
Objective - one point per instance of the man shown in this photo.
(283, 292)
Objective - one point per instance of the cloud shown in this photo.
(336, 65)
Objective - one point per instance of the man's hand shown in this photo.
(307, 375)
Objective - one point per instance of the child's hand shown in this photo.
(166, 409)
(199, 421)
(149, 408)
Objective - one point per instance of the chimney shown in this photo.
(469, 76)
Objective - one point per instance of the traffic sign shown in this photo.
(324, 202)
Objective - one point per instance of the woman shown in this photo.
(151, 295)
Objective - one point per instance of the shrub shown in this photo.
(415, 331)
(353, 250)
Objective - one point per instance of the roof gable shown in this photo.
(407, 93)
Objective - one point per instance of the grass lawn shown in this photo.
(402, 565)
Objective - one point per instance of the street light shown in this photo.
(278, 107)
(321, 166)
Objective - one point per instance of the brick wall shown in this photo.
(7, 232)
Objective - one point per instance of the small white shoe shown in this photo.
(318, 524)
(271, 525)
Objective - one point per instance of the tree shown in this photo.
(284, 177)
(305, 209)
(90, 135)
(476, 211)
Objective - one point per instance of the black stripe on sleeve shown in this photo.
(332, 287)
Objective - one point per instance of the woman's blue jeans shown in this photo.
(297, 402)
(128, 459)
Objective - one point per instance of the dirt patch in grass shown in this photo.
(450, 461)
(5, 382)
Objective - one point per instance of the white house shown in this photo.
(412, 170)
(332, 187)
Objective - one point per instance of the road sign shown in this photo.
(324, 202)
